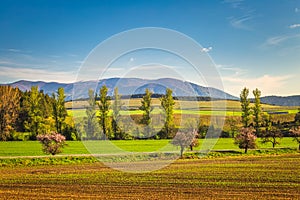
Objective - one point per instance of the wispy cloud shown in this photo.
(234, 3)
(276, 40)
(294, 26)
(297, 10)
(240, 22)
(152, 67)
(270, 85)
(206, 49)
(152, 71)
(13, 50)
(246, 15)
(13, 73)
(72, 55)
(54, 56)
(234, 70)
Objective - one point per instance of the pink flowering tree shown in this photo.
(246, 139)
(52, 142)
(185, 139)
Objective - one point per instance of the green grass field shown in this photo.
(253, 177)
(33, 148)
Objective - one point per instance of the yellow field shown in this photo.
(203, 105)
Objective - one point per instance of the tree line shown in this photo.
(24, 115)
(114, 126)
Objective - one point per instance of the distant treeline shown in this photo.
(184, 98)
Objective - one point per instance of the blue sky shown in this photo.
(252, 43)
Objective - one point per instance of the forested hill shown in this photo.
(282, 101)
(127, 86)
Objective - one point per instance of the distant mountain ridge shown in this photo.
(282, 101)
(126, 86)
(130, 86)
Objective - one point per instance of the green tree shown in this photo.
(245, 139)
(59, 110)
(257, 110)
(46, 104)
(245, 104)
(116, 118)
(35, 121)
(91, 126)
(146, 108)
(104, 110)
(272, 134)
(9, 110)
(167, 102)
(296, 134)
(233, 125)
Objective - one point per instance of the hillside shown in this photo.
(282, 101)
(127, 86)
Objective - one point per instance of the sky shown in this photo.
(253, 44)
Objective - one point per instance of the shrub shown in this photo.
(52, 142)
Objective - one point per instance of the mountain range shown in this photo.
(134, 86)
(126, 86)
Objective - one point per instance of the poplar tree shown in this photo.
(245, 104)
(104, 110)
(257, 110)
(91, 126)
(9, 110)
(116, 118)
(167, 102)
(59, 109)
(35, 120)
(146, 108)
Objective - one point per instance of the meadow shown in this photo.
(33, 148)
(251, 177)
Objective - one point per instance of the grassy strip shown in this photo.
(231, 153)
(63, 160)
(49, 160)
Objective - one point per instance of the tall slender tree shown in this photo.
(9, 110)
(91, 126)
(167, 102)
(59, 110)
(246, 110)
(116, 118)
(104, 110)
(257, 110)
(35, 120)
(146, 108)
